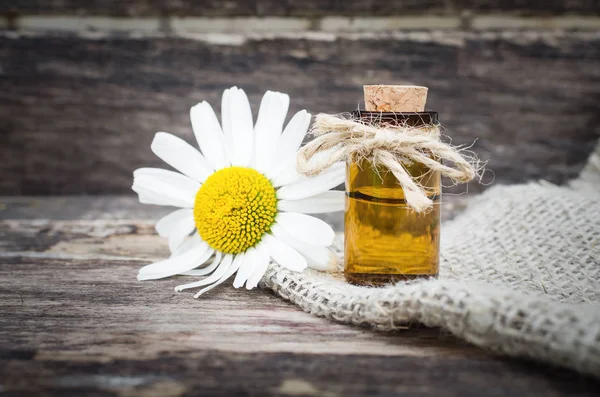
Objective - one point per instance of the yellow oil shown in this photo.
(385, 240)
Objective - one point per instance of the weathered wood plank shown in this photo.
(218, 8)
(78, 113)
(60, 208)
(293, 8)
(105, 225)
(210, 373)
(122, 208)
(80, 309)
(530, 7)
(74, 321)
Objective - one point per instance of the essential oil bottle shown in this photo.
(386, 240)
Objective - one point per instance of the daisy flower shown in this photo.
(242, 203)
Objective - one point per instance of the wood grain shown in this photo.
(79, 112)
(294, 8)
(74, 321)
(104, 208)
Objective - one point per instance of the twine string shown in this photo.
(393, 147)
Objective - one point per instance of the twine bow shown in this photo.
(392, 147)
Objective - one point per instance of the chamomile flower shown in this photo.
(242, 203)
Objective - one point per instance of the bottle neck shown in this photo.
(409, 119)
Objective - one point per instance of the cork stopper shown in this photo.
(395, 98)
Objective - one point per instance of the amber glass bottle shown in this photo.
(385, 240)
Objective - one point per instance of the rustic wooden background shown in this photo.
(75, 322)
(85, 85)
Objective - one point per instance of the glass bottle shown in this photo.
(385, 240)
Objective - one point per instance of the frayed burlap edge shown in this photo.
(503, 321)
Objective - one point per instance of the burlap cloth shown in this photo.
(519, 275)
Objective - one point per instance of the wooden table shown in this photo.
(75, 321)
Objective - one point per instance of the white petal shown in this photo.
(167, 223)
(234, 267)
(177, 180)
(218, 273)
(306, 228)
(164, 187)
(162, 198)
(242, 128)
(262, 263)
(329, 201)
(179, 234)
(315, 185)
(209, 135)
(273, 109)
(207, 269)
(321, 258)
(283, 254)
(146, 197)
(288, 175)
(226, 121)
(289, 142)
(178, 264)
(187, 245)
(247, 267)
(181, 155)
(318, 257)
(286, 105)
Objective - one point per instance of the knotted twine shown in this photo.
(393, 147)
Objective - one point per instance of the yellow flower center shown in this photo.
(234, 208)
